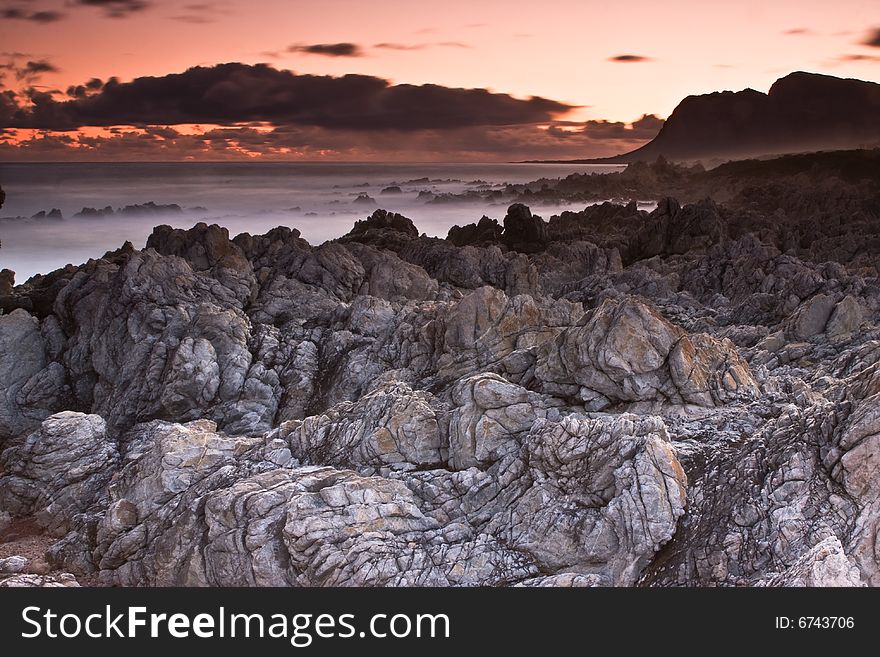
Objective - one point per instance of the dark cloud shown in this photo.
(858, 58)
(83, 90)
(111, 8)
(235, 93)
(644, 128)
(18, 13)
(799, 31)
(46, 16)
(647, 127)
(116, 8)
(873, 39)
(328, 49)
(629, 59)
(32, 70)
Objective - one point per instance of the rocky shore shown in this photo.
(689, 396)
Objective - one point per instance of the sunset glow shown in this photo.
(606, 62)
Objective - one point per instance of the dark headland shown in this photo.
(802, 112)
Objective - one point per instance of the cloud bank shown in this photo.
(230, 94)
(240, 111)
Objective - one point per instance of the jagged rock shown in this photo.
(32, 385)
(382, 219)
(534, 406)
(13, 565)
(671, 229)
(190, 506)
(489, 413)
(95, 213)
(57, 471)
(524, 231)
(826, 564)
(38, 581)
(846, 318)
(387, 276)
(364, 199)
(54, 213)
(207, 249)
(810, 319)
(485, 231)
(627, 352)
(7, 282)
(391, 427)
(565, 580)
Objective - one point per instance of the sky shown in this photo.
(462, 80)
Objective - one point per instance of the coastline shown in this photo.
(388, 408)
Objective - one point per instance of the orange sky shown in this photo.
(558, 49)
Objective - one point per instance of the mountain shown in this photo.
(801, 112)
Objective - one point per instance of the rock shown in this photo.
(846, 318)
(203, 246)
(391, 427)
(626, 352)
(57, 471)
(31, 384)
(207, 249)
(39, 566)
(686, 397)
(39, 581)
(671, 229)
(387, 276)
(95, 213)
(364, 199)
(565, 580)
(383, 220)
(486, 231)
(826, 564)
(190, 506)
(7, 282)
(523, 231)
(490, 412)
(13, 565)
(630, 493)
(810, 319)
(54, 213)
(773, 342)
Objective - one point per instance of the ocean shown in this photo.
(320, 199)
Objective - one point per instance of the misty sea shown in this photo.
(320, 199)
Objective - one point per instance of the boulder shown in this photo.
(524, 231)
(58, 470)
